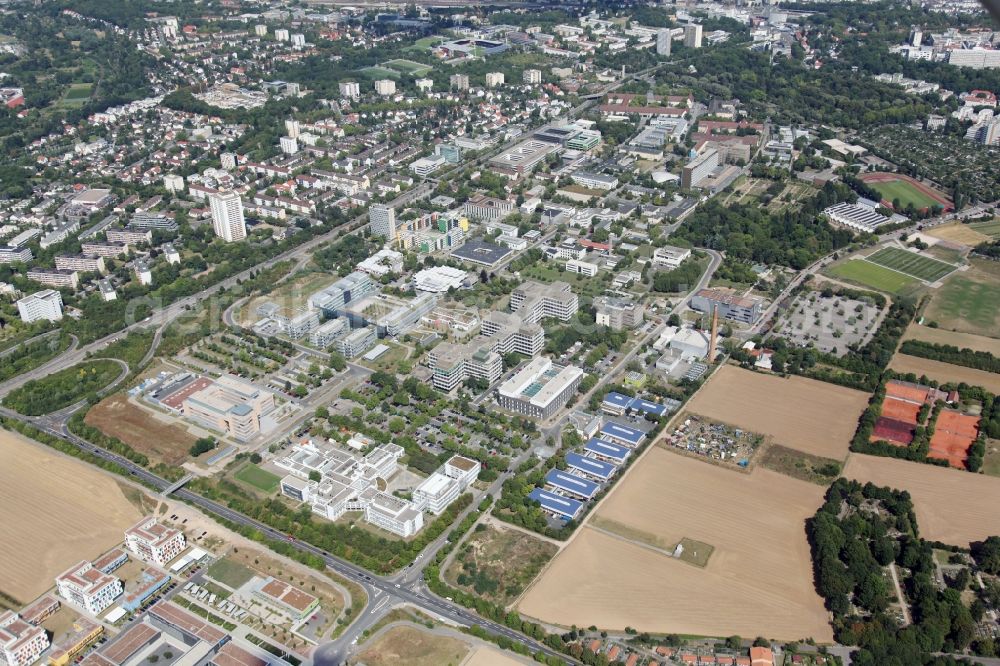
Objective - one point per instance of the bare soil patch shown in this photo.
(119, 417)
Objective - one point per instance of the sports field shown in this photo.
(800, 413)
(871, 275)
(227, 572)
(162, 441)
(911, 263)
(57, 511)
(969, 301)
(758, 580)
(945, 372)
(408, 66)
(940, 336)
(952, 506)
(259, 478)
(908, 190)
(77, 94)
(377, 72)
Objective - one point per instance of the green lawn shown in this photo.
(871, 275)
(425, 43)
(229, 573)
(258, 478)
(968, 302)
(991, 228)
(905, 192)
(919, 266)
(408, 66)
(77, 94)
(379, 72)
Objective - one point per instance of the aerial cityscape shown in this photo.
(499, 332)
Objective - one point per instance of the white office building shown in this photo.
(46, 304)
(227, 216)
(540, 389)
(535, 301)
(444, 486)
(439, 279)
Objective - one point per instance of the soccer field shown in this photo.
(871, 275)
(905, 192)
(911, 263)
(259, 478)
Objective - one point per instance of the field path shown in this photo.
(905, 607)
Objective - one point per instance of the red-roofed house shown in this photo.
(761, 656)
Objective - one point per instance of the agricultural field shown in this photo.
(46, 527)
(804, 414)
(260, 479)
(953, 506)
(497, 563)
(940, 336)
(945, 372)
(867, 274)
(755, 525)
(161, 440)
(404, 644)
(912, 264)
(487, 656)
(956, 232)
(969, 302)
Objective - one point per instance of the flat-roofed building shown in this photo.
(329, 332)
(106, 250)
(154, 542)
(540, 388)
(698, 169)
(595, 181)
(510, 333)
(80, 262)
(585, 268)
(452, 364)
(129, 236)
(489, 209)
(729, 304)
(383, 262)
(21, 643)
(618, 313)
(230, 406)
(854, 216)
(444, 486)
(71, 645)
(46, 304)
(295, 603)
(535, 301)
(356, 343)
(669, 256)
(55, 277)
(89, 587)
(353, 287)
(440, 279)
(522, 158)
(15, 255)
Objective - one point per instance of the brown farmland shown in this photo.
(118, 417)
(800, 413)
(945, 372)
(761, 561)
(952, 506)
(57, 511)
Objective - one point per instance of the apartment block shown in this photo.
(21, 643)
(46, 304)
(535, 301)
(154, 542)
(55, 278)
(80, 262)
(106, 250)
(88, 587)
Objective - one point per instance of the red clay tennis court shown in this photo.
(953, 435)
(906, 391)
(900, 410)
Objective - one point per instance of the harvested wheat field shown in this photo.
(940, 336)
(952, 506)
(956, 232)
(119, 417)
(945, 372)
(57, 511)
(761, 560)
(805, 414)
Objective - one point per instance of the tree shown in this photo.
(314, 475)
(337, 361)
(987, 554)
(202, 445)
(255, 458)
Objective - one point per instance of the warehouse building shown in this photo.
(590, 467)
(604, 450)
(560, 506)
(854, 216)
(540, 389)
(561, 482)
